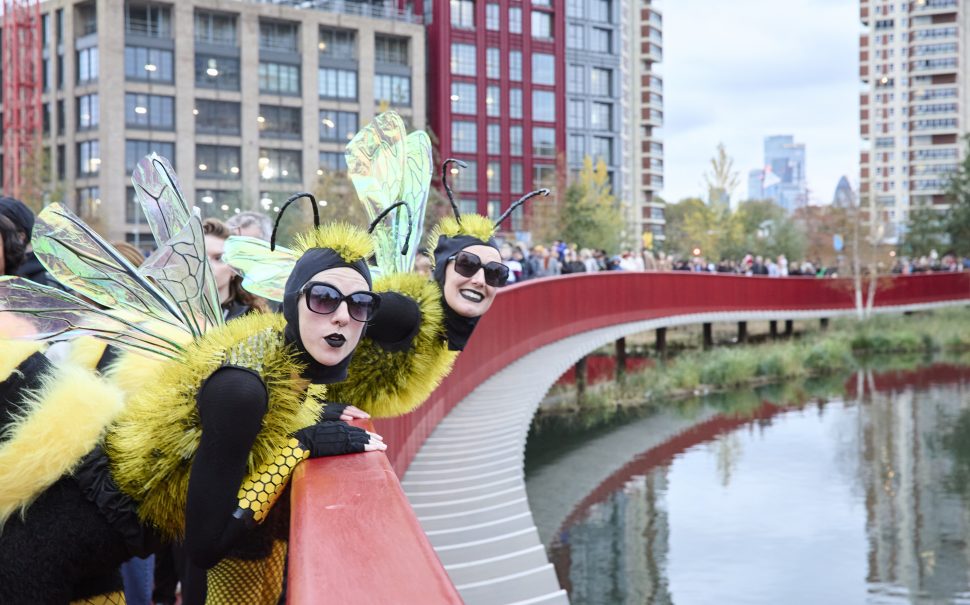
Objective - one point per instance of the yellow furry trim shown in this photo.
(14, 354)
(86, 351)
(61, 422)
(131, 372)
(390, 384)
(350, 242)
(153, 443)
(474, 225)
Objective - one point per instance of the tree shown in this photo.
(715, 231)
(722, 179)
(926, 231)
(591, 218)
(958, 196)
(676, 241)
(337, 199)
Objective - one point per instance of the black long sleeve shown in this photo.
(232, 403)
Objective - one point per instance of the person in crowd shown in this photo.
(573, 264)
(589, 263)
(422, 263)
(251, 224)
(234, 299)
(22, 218)
(11, 247)
(515, 267)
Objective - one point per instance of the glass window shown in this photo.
(215, 28)
(493, 107)
(391, 49)
(515, 20)
(216, 162)
(492, 17)
(574, 8)
(601, 81)
(515, 140)
(338, 43)
(467, 179)
(89, 203)
(464, 97)
(88, 114)
(543, 69)
(493, 177)
(279, 78)
(61, 117)
(494, 207)
(543, 105)
(279, 165)
(601, 116)
(541, 25)
(464, 137)
(218, 203)
(602, 148)
(515, 103)
(601, 40)
(576, 78)
(515, 177)
(216, 117)
(543, 175)
(88, 158)
(337, 125)
(221, 73)
(148, 64)
(544, 142)
(87, 20)
(279, 35)
(333, 161)
(87, 65)
(463, 13)
(463, 59)
(492, 63)
(149, 111)
(395, 90)
(576, 148)
(600, 10)
(494, 139)
(574, 36)
(576, 114)
(151, 20)
(136, 149)
(337, 83)
(515, 65)
(282, 122)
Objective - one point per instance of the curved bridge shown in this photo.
(460, 455)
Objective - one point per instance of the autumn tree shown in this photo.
(591, 218)
(721, 179)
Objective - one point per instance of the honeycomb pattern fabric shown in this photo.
(256, 582)
(261, 489)
(110, 598)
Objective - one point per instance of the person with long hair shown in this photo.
(234, 299)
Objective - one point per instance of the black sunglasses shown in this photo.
(324, 299)
(467, 264)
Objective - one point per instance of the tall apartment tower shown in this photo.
(914, 105)
(251, 100)
(646, 144)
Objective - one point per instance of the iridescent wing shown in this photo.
(264, 271)
(180, 268)
(157, 190)
(57, 315)
(81, 260)
(414, 192)
(375, 162)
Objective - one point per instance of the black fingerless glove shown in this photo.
(332, 411)
(332, 438)
(396, 323)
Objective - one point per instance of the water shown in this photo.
(844, 500)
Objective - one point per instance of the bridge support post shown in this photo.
(789, 328)
(708, 336)
(620, 359)
(823, 323)
(773, 329)
(742, 332)
(661, 343)
(581, 380)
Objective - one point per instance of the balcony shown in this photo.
(387, 10)
(930, 7)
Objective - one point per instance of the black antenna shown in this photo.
(444, 181)
(519, 202)
(290, 200)
(407, 240)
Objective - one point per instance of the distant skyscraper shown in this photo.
(843, 193)
(755, 190)
(784, 172)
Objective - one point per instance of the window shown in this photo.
(337, 125)
(515, 65)
(543, 106)
(576, 148)
(149, 111)
(391, 50)
(543, 175)
(493, 177)
(337, 83)
(515, 140)
(279, 165)
(515, 20)
(89, 203)
(279, 35)
(216, 162)
(515, 103)
(464, 137)
(463, 13)
(601, 40)
(88, 158)
(576, 78)
(338, 44)
(601, 116)
(464, 97)
(217, 203)
(333, 161)
(492, 63)
(216, 117)
(541, 25)
(148, 64)
(467, 179)
(87, 19)
(492, 17)
(494, 139)
(574, 36)
(515, 177)
(494, 208)
(601, 148)
(601, 10)
(544, 142)
(574, 8)
(215, 28)
(279, 78)
(601, 81)
(135, 150)
(576, 114)
(463, 59)
(396, 90)
(152, 20)
(87, 65)
(61, 117)
(280, 122)
(221, 73)
(88, 113)
(493, 107)
(543, 69)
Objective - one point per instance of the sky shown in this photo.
(740, 70)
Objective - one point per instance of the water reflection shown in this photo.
(859, 499)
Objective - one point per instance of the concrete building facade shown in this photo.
(645, 140)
